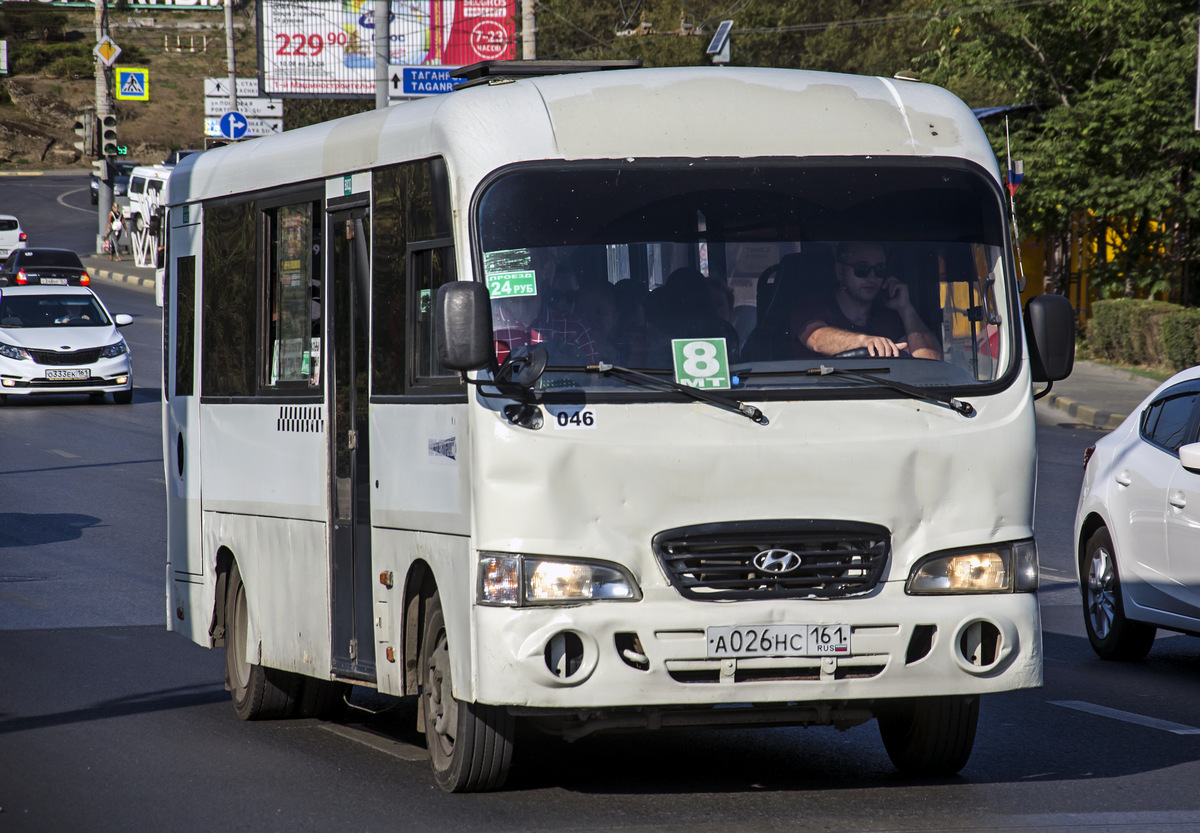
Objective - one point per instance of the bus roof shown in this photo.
(682, 112)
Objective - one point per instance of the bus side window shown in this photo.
(413, 254)
(292, 348)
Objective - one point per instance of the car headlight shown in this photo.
(114, 350)
(516, 580)
(10, 352)
(1001, 568)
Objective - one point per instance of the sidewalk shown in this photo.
(1094, 395)
(1099, 396)
(123, 271)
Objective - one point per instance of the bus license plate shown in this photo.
(69, 374)
(778, 641)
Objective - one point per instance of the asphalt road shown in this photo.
(109, 723)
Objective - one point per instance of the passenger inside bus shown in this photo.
(868, 309)
(683, 307)
(520, 322)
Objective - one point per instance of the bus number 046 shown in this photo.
(575, 419)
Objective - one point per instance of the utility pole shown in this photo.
(528, 31)
(104, 107)
(383, 54)
(229, 59)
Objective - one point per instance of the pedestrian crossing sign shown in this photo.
(132, 84)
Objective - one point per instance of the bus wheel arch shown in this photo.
(419, 587)
(258, 692)
(470, 744)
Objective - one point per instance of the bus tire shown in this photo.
(470, 744)
(323, 699)
(930, 735)
(258, 693)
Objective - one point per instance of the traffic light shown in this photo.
(85, 129)
(101, 166)
(109, 146)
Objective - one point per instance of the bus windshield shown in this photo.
(747, 275)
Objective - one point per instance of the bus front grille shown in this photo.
(790, 559)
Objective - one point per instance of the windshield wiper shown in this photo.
(744, 408)
(868, 375)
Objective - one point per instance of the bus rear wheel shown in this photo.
(930, 735)
(470, 744)
(258, 693)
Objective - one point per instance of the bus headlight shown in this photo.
(1003, 568)
(516, 580)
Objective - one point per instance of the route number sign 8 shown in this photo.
(701, 363)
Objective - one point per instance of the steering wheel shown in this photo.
(864, 353)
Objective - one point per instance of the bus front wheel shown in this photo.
(930, 735)
(258, 693)
(470, 744)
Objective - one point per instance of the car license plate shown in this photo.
(67, 375)
(55, 281)
(778, 641)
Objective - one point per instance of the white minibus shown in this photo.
(610, 399)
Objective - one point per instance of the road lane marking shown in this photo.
(62, 453)
(379, 742)
(1128, 717)
(62, 197)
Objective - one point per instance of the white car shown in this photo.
(11, 235)
(61, 339)
(1137, 526)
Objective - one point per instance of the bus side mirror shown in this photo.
(1050, 333)
(464, 326)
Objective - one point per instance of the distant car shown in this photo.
(51, 267)
(174, 156)
(61, 339)
(119, 176)
(11, 235)
(1137, 525)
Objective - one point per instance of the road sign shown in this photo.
(268, 108)
(219, 87)
(106, 50)
(132, 84)
(254, 127)
(416, 82)
(233, 125)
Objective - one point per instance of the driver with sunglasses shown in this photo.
(869, 308)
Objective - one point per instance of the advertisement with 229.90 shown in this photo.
(327, 47)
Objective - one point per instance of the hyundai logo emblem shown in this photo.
(777, 561)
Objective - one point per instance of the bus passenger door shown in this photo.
(350, 542)
(188, 578)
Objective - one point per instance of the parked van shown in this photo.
(146, 194)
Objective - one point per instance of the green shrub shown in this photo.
(1128, 331)
(1181, 338)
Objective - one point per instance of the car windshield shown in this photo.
(47, 257)
(59, 310)
(721, 275)
(9, 225)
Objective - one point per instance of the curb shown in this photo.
(1097, 418)
(121, 277)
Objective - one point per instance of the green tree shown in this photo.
(860, 36)
(1110, 149)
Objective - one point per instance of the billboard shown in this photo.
(326, 48)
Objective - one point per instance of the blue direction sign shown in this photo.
(233, 125)
(411, 82)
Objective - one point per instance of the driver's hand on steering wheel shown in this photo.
(885, 347)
